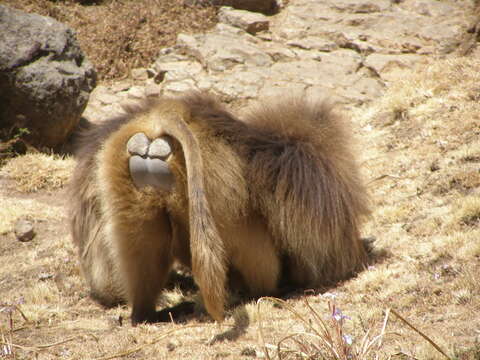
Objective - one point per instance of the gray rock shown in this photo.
(382, 64)
(106, 97)
(263, 6)
(139, 74)
(430, 8)
(152, 89)
(136, 92)
(278, 52)
(222, 50)
(176, 88)
(241, 83)
(119, 86)
(314, 43)
(246, 20)
(362, 6)
(347, 50)
(281, 88)
(178, 70)
(45, 79)
(248, 351)
(24, 230)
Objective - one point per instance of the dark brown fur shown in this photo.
(279, 189)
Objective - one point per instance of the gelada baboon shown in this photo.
(276, 195)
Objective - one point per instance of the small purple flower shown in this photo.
(6, 350)
(348, 339)
(338, 315)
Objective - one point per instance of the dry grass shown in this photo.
(34, 172)
(425, 166)
(423, 170)
(119, 35)
(321, 335)
(13, 209)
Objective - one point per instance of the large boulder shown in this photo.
(45, 79)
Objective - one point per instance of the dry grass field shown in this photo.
(120, 35)
(420, 298)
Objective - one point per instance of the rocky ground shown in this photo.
(345, 50)
(394, 68)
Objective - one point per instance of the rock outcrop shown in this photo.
(347, 50)
(263, 6)
(45, 79)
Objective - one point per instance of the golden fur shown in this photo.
(277, 195)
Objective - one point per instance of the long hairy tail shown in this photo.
(207, 248)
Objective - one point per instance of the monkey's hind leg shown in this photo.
(139, 225)
(254, 256)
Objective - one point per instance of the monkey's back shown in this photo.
(302, 178)
(289, 166)
(305, 180)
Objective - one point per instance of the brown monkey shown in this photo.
(277, 194)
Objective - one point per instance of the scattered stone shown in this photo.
(314, 43)
(24, 230)
(223, 51)
(45, 276)
(346, 50)
(122, 85)
(140, 74)
(222, 355)
(136, 92)
(172, 54)
(151, 73)
(171, 346)
(246, 20)
(178, 70)
(239, 84)
(248, 351)
(362, 6)
(263, 6)
(384, 63)
(152, 90)
(106, 97)
(159, 77)
(45, 79)
(434, 166)
(429, 8)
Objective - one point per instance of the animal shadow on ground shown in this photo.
(185, 310)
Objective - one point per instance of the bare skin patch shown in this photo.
(147, 163)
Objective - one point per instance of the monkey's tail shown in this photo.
(207, 250)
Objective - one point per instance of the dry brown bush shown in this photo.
(118, 35)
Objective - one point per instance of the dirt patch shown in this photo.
(429, 277)
(118, 36)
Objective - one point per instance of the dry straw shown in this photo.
(326, 338)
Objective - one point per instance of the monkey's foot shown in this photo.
(148, 162)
